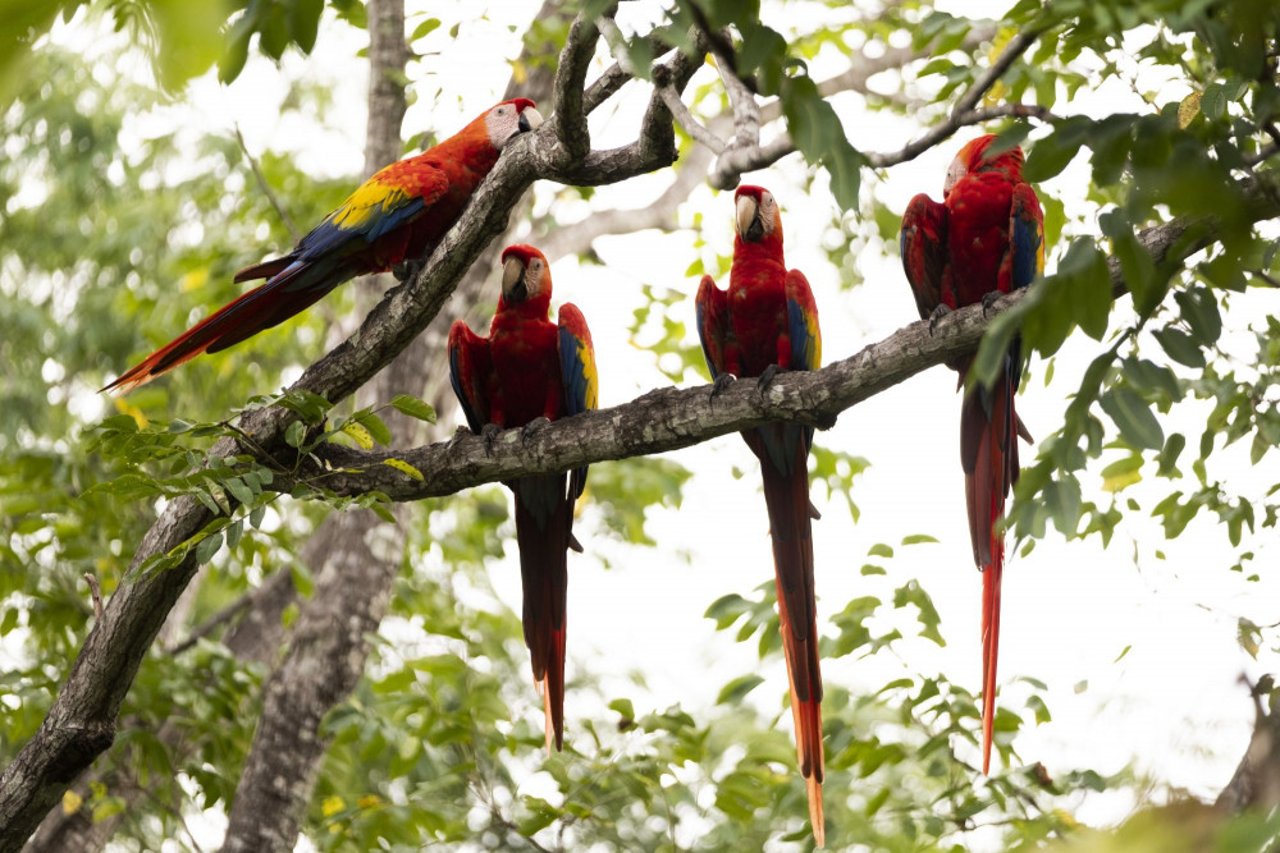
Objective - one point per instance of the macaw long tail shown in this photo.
(544, 515)
(291, 289)
(989, 428)
(783, 451)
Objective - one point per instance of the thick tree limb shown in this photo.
(671, 418)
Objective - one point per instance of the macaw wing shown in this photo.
(923, 244)
(386, 202)
(802, 323)
(578, 376)
(1026, 237)
(714, 330)
(469, 366)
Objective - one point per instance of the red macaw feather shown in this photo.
(400, 213)
(986, 237)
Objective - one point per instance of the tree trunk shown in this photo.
(354, 556)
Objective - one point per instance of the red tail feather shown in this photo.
(255, 311)
(543, 517)
(988, 442)
(787, 499)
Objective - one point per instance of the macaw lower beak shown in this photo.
(750, 227)
(514, 287)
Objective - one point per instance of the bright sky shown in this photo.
(1171, 704)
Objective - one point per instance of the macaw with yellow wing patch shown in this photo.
(529, 369)
(397, 216)
(985, 239)
(765, 322)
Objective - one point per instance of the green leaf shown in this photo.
(424, 29)
(918, 539)
(912, 593)
(208, 547)
(295, 434)
(1131, 414)
(376, 426)
(1180, 346)
(736, 690)
(414, 408)
(880, 550)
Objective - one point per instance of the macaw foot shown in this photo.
(766, 378)
(532, 427)
(938, 313)
(490, 433)
(989, 299)
(460, 433)
(721, 384)
(406, 271)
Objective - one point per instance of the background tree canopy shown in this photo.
(307, 629)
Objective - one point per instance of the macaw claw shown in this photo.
(989, 299)
(722, 383)
(490, 433)
(533, 427)
(767, 376)
(938, 313)
(407, 271)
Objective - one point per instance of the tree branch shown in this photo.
(671, 418)
(1015, 48)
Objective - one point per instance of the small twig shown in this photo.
(945, 130)
(735, 162)
(1271, 281)
(746, 111)
(266, 188)
(685, 119)
(1015, 48)
(1262, 154)
(95, 591)
(218, 619)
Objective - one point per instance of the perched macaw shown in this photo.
(398, 215)
(765, 322)
(985, 239)
(530, 368)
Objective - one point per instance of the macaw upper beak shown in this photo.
(750, 227)
(530, 119)
(514, 288)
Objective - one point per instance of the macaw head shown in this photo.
(757, 216)
(973, 158)
(526, 275)
(509, 119)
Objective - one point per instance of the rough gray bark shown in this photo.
(353, 579)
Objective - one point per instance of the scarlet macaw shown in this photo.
(986, 238)
(398, 215)
(530, 368)
(767, 321)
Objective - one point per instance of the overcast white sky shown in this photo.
(1171, 704)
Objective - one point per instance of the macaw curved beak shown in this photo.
(748, 222)
(514, 288)
(530, 119)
